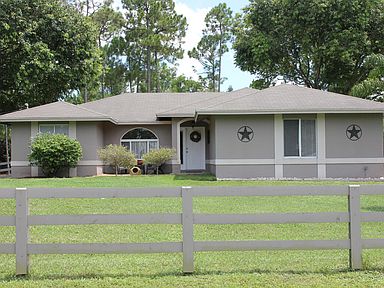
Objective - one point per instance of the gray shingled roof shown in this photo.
(54, 111)
(144, 107)
(190, 109)
(147, 108)
(292, 99)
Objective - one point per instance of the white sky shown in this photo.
(195, 11)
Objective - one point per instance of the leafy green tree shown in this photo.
(4, 134)
(47, 50)
(108, 23)
(158, 157)
(373, 86)
(214, 43)
(153, 34)
(54, 152)
(184, 84)
(317, 43)
(117, 156)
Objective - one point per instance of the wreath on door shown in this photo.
(195, 136)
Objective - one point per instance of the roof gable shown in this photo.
(60, 110)
(293, 99)
(147, 108)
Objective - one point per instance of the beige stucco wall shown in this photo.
(245, 171)
(20, 148)
(228, 146)
(300, 171)
(113, 133)
(370, 145)
(227, 157)
(339, 146)
(212, 139)
(355, 170)
(225, 146)
(21, 141)
(237, 159)
(90, 136)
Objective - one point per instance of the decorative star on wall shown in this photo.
(354, 132)
(245, 134)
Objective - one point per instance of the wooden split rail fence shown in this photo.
(22, 220)
(4, 168)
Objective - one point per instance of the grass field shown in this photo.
(213, 269)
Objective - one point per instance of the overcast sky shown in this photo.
(195, 11)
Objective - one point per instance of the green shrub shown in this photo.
(117, 156)
(54, 152)
(158, 157)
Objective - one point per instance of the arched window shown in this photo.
(140, 141)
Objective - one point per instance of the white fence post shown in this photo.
(187, 220)
(355, 252)
(21, 231)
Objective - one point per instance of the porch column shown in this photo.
(321, 168)
(72, 135)
(176, 145)
(279, 145)
(34, 131)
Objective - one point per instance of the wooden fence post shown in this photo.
(355, 251)
(187, 220)
(21, 231)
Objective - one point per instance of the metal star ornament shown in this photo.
(245, 134)
(354, 132)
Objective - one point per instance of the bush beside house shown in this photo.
(54, 152)
(117, 156)
(158, 157)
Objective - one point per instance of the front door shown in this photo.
(193, 148)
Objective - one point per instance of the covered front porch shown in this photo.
(191, 139)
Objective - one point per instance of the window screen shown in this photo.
(299, 138)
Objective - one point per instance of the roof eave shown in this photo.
(371, 111)
(175, 115)
(19, 120)
(145, 123)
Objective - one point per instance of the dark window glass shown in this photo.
(291, 138)
(139, 133)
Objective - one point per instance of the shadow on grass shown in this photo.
(194, 177)
(374, 208)
(181, 274)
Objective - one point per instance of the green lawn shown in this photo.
(213, 269)
(152, 180)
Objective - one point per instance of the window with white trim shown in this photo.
(140, 141)
(299, 138)
(54, 128)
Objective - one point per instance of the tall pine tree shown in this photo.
(213, 44)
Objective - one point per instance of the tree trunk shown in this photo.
(103, 79)
(87, 8)
(116, 170)
(157, 73)
(219, 83)
(85, 95)
(148, 70)
(213, 76)
(103, 68)
(148, 53)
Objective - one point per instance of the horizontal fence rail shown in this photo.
(354, 217)
(4, 168)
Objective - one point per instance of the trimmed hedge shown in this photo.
(54, 152)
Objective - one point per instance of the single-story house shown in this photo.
(278, 132)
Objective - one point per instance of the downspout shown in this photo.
(196, 116)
